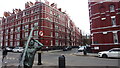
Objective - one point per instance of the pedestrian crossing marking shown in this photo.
(12, 58)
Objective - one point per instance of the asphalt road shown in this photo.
(73, 60)
(50, 58)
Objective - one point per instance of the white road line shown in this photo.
(12, 58)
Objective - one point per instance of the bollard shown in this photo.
(39, 58)
(62, 61)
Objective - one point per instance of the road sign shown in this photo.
(41, 33)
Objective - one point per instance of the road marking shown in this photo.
(12, 58)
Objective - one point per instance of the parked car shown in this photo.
(67, 48)
(9, 49)
(18, 49)
(81, 48)
(114, 52)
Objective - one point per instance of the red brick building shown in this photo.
(0, 31)
(58, 29)
(104, 24)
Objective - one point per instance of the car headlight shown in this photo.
(99, 53)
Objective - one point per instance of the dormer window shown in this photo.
(112, 8)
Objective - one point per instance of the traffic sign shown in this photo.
(41, 33)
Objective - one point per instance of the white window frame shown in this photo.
(26, 34)
(51, 12)
(36, 33)
(11, 43)
(16, 16)
(32, 11)
(23, 13)
(112, 8)
(6, 37)
(92, 40)
(18, 29)
(18, 43)
(104, 32)
(56, 34)
(0, 38)
(11, 37)
(113, 22)
(26, 26)
(51, 43)
(56, 42)
(115, 37)
(51, 34)
(12, 30)
(6, 31)
(6, 43)
(51, 26)
(35, 24)
(56, 27)
(18, 36)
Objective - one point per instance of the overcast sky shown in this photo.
(76, 9)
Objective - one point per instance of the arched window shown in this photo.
(112, 8)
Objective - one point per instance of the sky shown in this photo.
(76, 9)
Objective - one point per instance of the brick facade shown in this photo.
(58, 29)
(1, 31)
(104, 24)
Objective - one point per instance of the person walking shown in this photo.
(4, 53)
(85, 51)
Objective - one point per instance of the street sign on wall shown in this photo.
(40, 33)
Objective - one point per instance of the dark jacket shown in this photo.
(4, 51)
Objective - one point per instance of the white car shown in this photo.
(9, 49)
(81, 48)
(114, 52)
(18, 49)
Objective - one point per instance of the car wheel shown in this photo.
(104, 56)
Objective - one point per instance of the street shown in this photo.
(50, 58)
